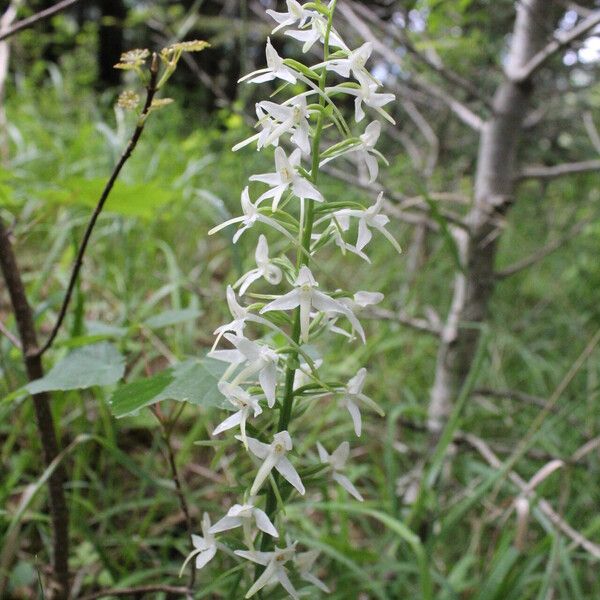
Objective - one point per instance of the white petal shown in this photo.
(229, 423)
(316, 582)
(263, 472)
(247, 280)
(285, 302)
(264, 523)
(225, 524)
(323, 454)
(260, 583)
(261, 558)
(348, 486)
(268, 382)
(340, 455)
(303, 189)
(205, 557)
(355, 414)
(286, 583)
(287, 471)
(257, 448)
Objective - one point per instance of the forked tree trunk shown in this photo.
(493, 194)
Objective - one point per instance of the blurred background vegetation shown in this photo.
(151, 256)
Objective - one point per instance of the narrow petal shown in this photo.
(355, 414)
(229, 423)
(260, 583)
(348, 486)
(286, 302)
(268, 382)
(263, 472)
(287, 471)
(286, 583)
(264, 523)
(225, 524)
(259, 449)
(205, 557)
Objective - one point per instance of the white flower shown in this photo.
(259, 358)
(246, 404)
(366, 151)
(276, 69)
(304, 562)
(274, 571)
(296, 13)
(249, 218)
(315, 33)
(238, 312)
(354, 64)
(337, 460)
(241, 514)
(306, 296)
(293, 119)
(367, 94)
(353, 395)
(368, 219)
(205, 546)
(274, 456)
(264, 268)
(286, 175)
(267, 124)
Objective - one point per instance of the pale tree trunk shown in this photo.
(493, 194)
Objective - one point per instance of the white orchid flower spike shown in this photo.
(306, 296)
(286, 177)
(205, 546)
(241, 515)
(273, 455)
(265, 269)
(275, 570)
(353, 396)
(337, 461)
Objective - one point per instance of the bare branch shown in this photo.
(543, 172)
(464, 113)
(13, 339)
(150, 92)
(423, 325)
(543, 252)
(40, 16)
(525, 489)
(560, 41)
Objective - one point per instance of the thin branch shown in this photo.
(423, 325)
(553, 172)
(560, 41)
(545, 507)
(13, 339)
(150, 92)
(445, 73)
(139, 591)
(464, 113)
(591, 130)
(543, 252)
(40, 16)
(41, 402)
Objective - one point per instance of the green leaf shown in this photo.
(136, 200)
(171, 317)
(99, 364)
(193, 381)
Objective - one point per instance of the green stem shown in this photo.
(302, 258)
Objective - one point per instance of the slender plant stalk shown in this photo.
(150, 92)
(59, 514)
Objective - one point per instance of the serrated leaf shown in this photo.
(193, 381)
(171, 317)
(98, 364)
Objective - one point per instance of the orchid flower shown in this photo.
(248, 407)
(353, 395)
(368, 219)
(304, 562)
(316, 33)
(274, 568)
(367, 94)
(259, 358)
(358, 301)
(353, 64)
(306, 296)
(249, 218)
(241, 515)
(205, 546)
(273, 455)
(267, 126)
(264, 268)
(293, 119)
(337, 460)
(296, 13)
(286, 176)
(276, 69)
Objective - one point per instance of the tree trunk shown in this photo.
(493, 194)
